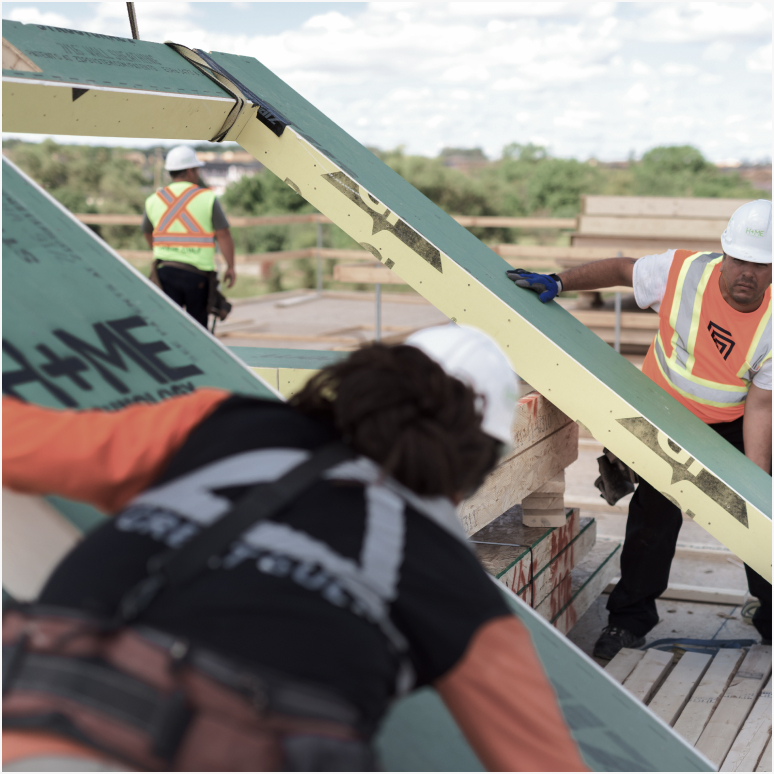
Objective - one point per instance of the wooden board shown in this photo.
(749, 745)
(503, 546)
(702, 703)
(687, 593)
(660, 206)
(647, 675)
(622, 664)
(637, 246)
(659, 228)
(732, 710)
(575, 594)
(561, 566)
(544, 442)
(765, 762)
(671, 698)
(520, 475)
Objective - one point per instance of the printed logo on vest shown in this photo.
(722, 339)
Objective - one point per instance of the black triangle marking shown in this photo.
(78, 93)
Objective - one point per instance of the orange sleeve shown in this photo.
(501, 699)
(99, 457)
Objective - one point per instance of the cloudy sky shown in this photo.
(597, 79)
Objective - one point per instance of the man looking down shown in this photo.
(712, 353)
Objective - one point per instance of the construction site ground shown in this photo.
(344, 320)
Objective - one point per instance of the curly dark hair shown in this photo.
(397, 406)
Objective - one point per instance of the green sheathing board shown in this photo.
(83, 329)
(724, 492)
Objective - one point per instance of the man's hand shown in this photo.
(547, 285)
(229, 277)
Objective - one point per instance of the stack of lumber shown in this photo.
(557, 569)
(559, 572)
(647, 224)
(720, 704)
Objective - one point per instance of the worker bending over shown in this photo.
(276, 574)
(712, 353)
(182, 222)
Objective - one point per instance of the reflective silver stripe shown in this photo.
(762, 350)
(188, 220)
(171, 213)
(189, 240)
(383, 542)
(687, 302)
(192, 495)
(167, 196)
(695, 389)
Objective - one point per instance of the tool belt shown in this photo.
(217, 304)
(158, 703)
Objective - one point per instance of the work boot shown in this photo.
(612, 639)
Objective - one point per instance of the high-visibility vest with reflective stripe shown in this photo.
(181, 215)
(706, 353)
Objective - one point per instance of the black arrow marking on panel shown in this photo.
(78, 93)
(708, 483)
(401, 230)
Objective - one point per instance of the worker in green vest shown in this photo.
(182, 223)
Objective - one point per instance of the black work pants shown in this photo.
(649, 547)
(188, 289)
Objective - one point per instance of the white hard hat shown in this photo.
(748, 234)
(475, 359)
(181, 157)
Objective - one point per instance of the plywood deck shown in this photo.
(719, 702)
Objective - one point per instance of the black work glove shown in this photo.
(547, 285)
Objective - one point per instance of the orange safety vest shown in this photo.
(178, 212)
(706, 353)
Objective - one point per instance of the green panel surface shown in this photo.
(82, 329)
(556, 324)
(91, 59)
(614, 731)
(306, 359)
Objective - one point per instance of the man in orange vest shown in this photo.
(713, 354)
(182, 223)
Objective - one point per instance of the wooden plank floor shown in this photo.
(719, 703)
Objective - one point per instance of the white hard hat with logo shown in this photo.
(181, 157)
(475, 359)
(748, 235)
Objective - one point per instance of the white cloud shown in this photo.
(760, 60)
(638, 93)
(681, 22)
(719, 51)
(679, 69)
(640, 68)
(34, 15)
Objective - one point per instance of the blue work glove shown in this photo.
(547, 285)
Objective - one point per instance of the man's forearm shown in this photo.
(756, 427)
(226, 245)
(599, 274)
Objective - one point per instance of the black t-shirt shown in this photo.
(262, 608)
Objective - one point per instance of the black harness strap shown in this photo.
(180, 565)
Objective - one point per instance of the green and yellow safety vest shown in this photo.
(181, 215)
